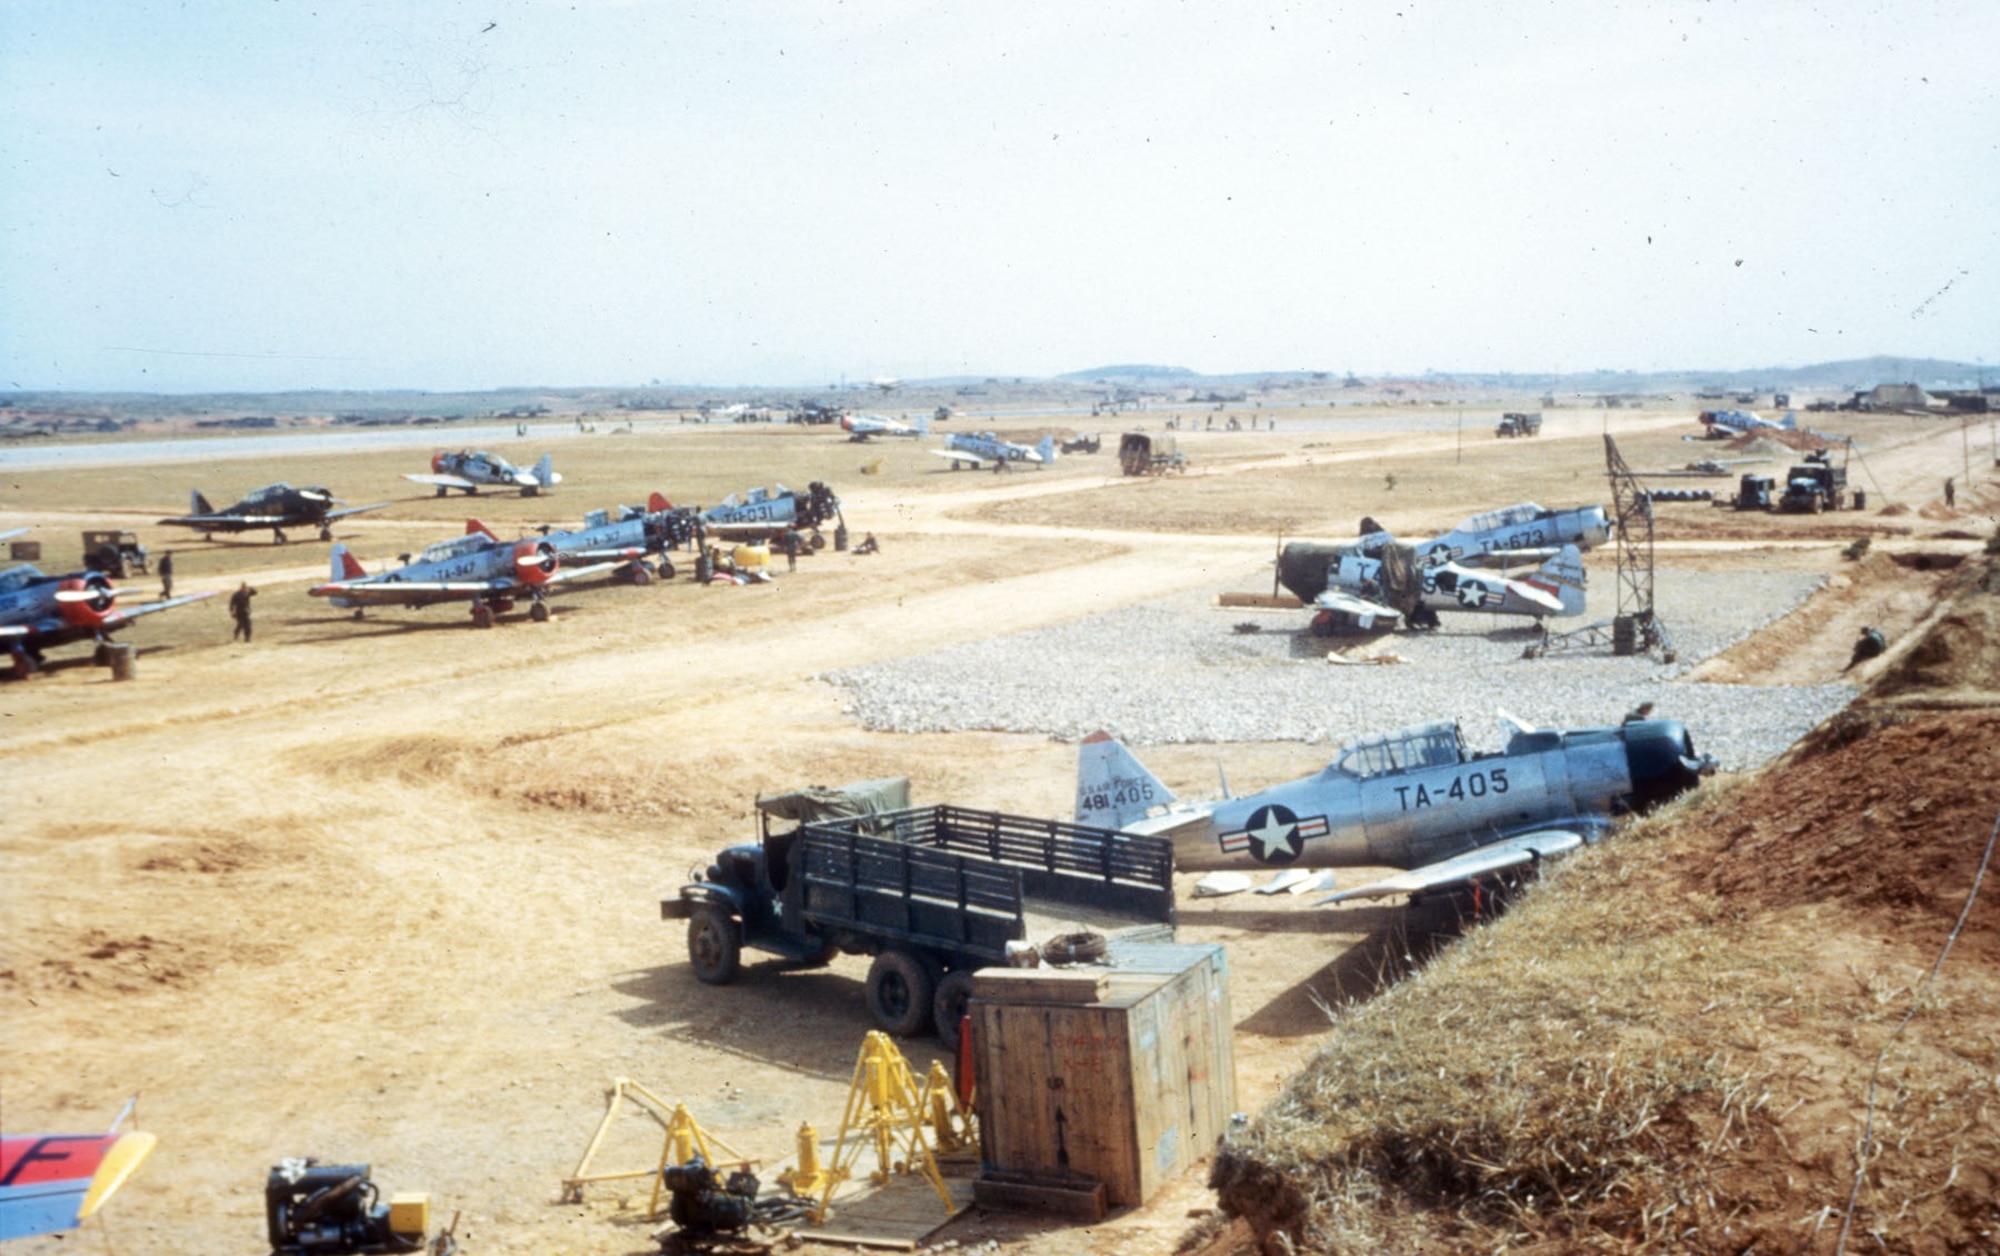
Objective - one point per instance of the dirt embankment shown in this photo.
(1673, 1041)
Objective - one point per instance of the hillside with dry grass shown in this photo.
(1671, 1043)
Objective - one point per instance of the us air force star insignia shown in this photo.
(1275, 832)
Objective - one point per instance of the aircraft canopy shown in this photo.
(1505, 517)
(1418, 746)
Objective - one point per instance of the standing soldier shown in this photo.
(166, 575)
(791, 551)
(1950, 493)
(239, 610)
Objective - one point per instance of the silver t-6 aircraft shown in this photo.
(478, 567)
(38, 612)
(1511, 534)
(469, 470)
(638, 531)
(1724, 424)
(975, 448)
(863, 426)
(1376, 580)
(1362, 593)
(763, 514)
(275, 506)
(1413, 798)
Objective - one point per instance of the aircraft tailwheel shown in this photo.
(539, 612)
(482, 616)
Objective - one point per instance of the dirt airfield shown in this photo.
(386, 891)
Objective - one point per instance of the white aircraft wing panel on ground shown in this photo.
(1356, 605)
(1514, 852)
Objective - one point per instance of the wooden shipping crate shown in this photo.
(1131, 1090)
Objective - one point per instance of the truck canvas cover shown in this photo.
(824, 802)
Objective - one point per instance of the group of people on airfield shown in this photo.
(239, 601)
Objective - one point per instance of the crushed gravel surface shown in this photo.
(1176, 670)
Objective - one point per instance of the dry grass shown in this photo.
(1666, 1045)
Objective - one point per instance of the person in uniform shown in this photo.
(239, 610)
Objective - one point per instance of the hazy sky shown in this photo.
(335, 193)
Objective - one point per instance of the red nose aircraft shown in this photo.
(40, 611)
(478, 567)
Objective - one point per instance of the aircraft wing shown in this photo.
(747, 529)
(959, 455)
(1514, 852)
(1354, 604)
(56, 1181)
(380, 592)
(580, 573)
(611, 556)
(1504, 558)
(331, 515)
(147, 608)
(226, 523)
(442, 481)
(13, 532)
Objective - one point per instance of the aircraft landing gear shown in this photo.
(357, 612)
(277, 536)
(325, 533)
(482, 615)
(818, 540)
(539, 612)
(442, 490)
(640, 576)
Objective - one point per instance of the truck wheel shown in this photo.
(899, 993)
(715, 945)
(948, 1005)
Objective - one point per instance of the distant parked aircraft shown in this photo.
(275, 506)
(974, 448)
(471, 469)
(1724, 424)
(863, 426)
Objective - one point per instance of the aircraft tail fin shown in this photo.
(1791, 421)
(345, 565)
(1565, 571)
(924, 425)
(1046, 451)
(198, 505)
(475, 528)
(545, 471)
(1113, 788)
(657, 503)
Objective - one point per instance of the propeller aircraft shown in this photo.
(974, 448)
(478, 567)
(275, 506)
(768, 514)
(861, 427)
(1725, 424)
(1414, 799)
(470, 470)
(654, 528)
(55, 1182)
(39, 612)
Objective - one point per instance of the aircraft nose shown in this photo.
(535, 560)
(1662, 762)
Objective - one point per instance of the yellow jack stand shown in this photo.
(953, 1129)
(808, 1178)
(684, 1140)
(885, 1110)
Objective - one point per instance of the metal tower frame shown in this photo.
(1635, 629)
